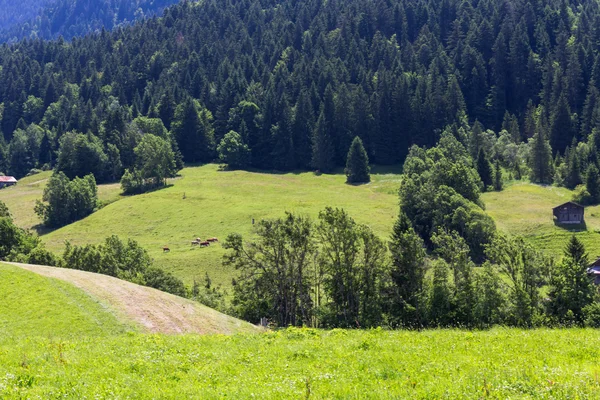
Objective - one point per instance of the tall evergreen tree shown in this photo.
(484, 169)
(408, 272)
(592, 183)
(497, 176)
(571, 287)
(357, 163)
(322, 147)
(541, 160)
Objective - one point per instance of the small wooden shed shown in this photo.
(568, 213)
(7, 181)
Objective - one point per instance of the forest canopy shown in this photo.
(291, 75)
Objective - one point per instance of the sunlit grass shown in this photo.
(526, 209)
(207, 202)
(32, 305)
(300, 364)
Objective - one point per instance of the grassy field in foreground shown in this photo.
(526, 209)
(32, 305)
(301, 364)
(207, 202)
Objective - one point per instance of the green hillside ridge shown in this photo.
(33, 305)
(218, 203)
(61, 302)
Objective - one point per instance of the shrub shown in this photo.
(591, 315)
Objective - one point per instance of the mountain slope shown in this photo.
(70, 18)
(148, 309)
(13, 12)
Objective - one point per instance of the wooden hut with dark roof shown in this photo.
(569, 213)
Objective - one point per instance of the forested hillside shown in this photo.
(17, 12)
(298, 80)
(49, 19)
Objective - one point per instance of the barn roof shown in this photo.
(9, 179)
(569, 203)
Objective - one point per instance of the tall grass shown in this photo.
(300, 364)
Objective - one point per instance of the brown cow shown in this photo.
(166, 249)
(212, 240)
(204, 244)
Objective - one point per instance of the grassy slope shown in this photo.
(148, 309)
(500, 364)
(526, 209)
(21, 199)
(31, 305)
(218, 203)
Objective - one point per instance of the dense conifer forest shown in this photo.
(299, 80)
(50, 19)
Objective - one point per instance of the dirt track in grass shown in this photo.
(151, 310)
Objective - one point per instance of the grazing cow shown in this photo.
(166, 249)
(195, 242)
(212, 240)
(204, 244)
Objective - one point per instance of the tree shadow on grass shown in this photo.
(41, 229)
(225, 168)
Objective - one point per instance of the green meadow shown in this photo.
(526, 209)
(206, 202)
(303, 364)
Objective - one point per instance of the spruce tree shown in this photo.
(322, 148)
(497, 176)
(541, 160)
(484, 169)
(571, 287)
(592, 184)
(357, 163)
(573, 177)
(408, 271)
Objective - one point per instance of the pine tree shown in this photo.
(484, 169)
(561, 129)
(322, 148)
(497, 176)
(541, 160)
(357, 163)
(571, 287)
(408, 271)
(592, 184)
(573, 176)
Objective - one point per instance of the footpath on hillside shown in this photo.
(152, 310)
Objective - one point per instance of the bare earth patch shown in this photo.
(152, 310)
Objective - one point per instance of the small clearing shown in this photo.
(152, 310)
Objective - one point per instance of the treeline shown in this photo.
(45, 19)
(337, 273)
(297, 81)
(445, 264)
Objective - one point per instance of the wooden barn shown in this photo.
(7, 181)
(568, 213)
